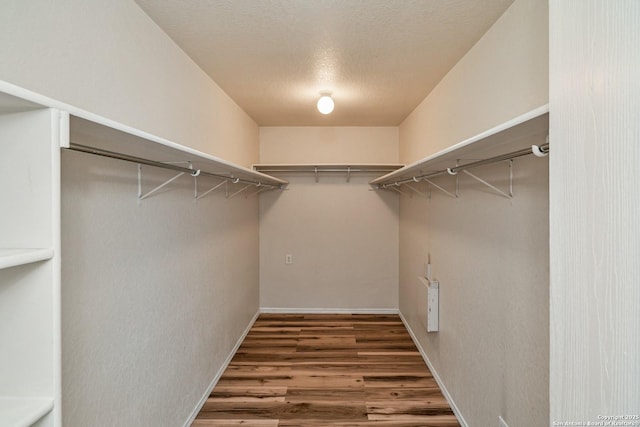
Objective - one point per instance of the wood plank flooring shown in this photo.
(312, 370)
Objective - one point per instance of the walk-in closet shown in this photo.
(317, 213)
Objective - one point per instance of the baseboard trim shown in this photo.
(289, 310)
(224, 366)
(454, 407)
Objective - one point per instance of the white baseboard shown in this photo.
(200, 404)
(454, 408)
(288, 310)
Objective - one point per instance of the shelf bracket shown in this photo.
(261, 189)
(214, 188)
(415, 190)
(508, 195)
(239, 191)
(395, 187)
(315, 171)
(159, 187)
(264, 187)
(447, 192)
(348, 173)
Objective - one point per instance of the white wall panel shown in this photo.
(595, 206)
(344, 242)
(340, 144)
(343, 237)
(155, 293)
(503, 76)
(489, 254)
(111, 59)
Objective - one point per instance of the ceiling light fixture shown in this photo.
(325, 103)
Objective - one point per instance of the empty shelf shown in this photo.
(16, 257)
(23, 412)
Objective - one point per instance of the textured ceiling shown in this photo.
(379, 58)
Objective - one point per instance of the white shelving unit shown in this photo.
(29, 263)
(515, 134)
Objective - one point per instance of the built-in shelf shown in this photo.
(23, 412)
(12, 104)
(29, 297)
(316, 168)
(117, 138)
(15, 257)
(327, 167)
(88, 129)
(515, 134)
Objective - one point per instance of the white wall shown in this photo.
(154, 295)
(343, 237)
(595, 206)
(340, 144)
(504, 75)
(490, 254)
(111, 59)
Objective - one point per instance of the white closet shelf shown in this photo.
(512, 135)
(23, 412)
(15, 257)
(326, 167)
(317, 168)
(92, 130)
(13, 104)
(106, 135)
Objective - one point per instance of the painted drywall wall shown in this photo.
(490, 253)
(595, 206)
(343, 237)
(504, 75)
(155, 293)
(111, 59)
(313, 144)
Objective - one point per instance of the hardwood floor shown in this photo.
(312, 370)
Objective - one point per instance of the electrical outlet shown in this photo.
(288, 259)
(501, 422)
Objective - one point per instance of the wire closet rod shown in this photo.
(140, 160)
(340, 170)
(543, 149)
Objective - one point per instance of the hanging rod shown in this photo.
(140, 160)
(538, 150)
(316, 168)
(341, 170)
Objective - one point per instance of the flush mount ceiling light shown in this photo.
(325, 103)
